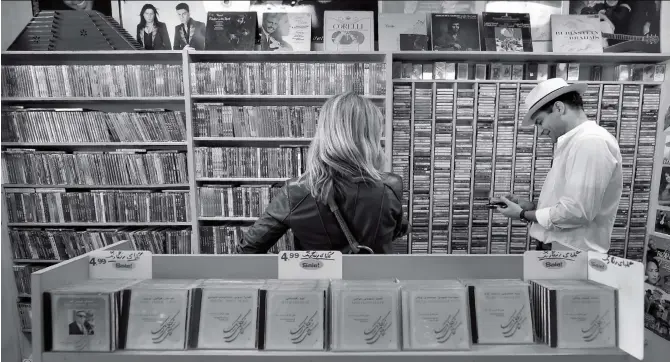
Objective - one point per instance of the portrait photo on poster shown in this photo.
(103, 6)
(82, 322)
(626, 25)
(166, 25)
(657, 286)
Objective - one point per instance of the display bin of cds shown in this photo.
(109, 320)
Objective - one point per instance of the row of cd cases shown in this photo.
(338, 315)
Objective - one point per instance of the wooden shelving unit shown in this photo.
(186, 102)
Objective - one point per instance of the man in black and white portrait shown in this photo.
(190, 33)
(81, 325)
(273, 28)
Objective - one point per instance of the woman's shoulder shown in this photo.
(394, 182)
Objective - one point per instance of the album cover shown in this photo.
(157, 318)
(349, 31)
(231, 30)
(627, 26)
(507, 32)
(576, 34)
(285, 31)
(82, 321)
(390, 28)
(455, 32)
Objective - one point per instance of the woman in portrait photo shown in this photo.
(151, 33)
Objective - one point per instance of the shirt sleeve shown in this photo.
(589, 169)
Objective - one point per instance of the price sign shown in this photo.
(120, 264)
(310, 265)
(554, 265)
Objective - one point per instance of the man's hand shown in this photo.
(525, 204)
(512, 211)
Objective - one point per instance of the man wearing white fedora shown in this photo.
(580, 196)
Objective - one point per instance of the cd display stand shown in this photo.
(265, 266)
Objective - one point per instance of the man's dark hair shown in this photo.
(571, 99)
(183, 6)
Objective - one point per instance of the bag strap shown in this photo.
(353, 244)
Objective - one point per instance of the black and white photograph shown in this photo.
(184, 22)
(273, 28)
(626, 25)
(82, 323)
(152, 34)
(103, 6)
(190, 32)
(455, 32)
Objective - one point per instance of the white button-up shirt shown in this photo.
(580, 196)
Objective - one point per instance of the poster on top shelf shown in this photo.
(285, 32)
(540, 14)
(172, 25)
(316, 9)
(455, 32)
(657, 286)
(230, 30)
(628, 26)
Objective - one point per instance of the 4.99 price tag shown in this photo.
(309, 265)
(120, 264)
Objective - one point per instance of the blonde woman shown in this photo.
(344, 166)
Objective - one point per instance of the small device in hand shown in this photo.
(493, 204)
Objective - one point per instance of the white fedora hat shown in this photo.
(546, 92)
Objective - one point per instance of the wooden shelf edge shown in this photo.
(36, 261)
(97, 225)
(101, 187)
(228, 218)
(90, 99)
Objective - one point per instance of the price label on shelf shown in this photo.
(309, 265)
(120, 264)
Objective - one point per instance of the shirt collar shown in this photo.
(566, 138)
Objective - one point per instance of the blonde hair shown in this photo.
(347, 144)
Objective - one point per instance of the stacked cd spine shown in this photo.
(402, 108)
(422, 143)
(503, 164)
(628, 128)
(460, 233)
(609, 108)
(443, 142)
(644, 162)
(524, 160)
(486, 114)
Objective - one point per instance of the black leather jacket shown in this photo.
(372, 211)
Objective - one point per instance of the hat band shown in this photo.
(546, 96)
